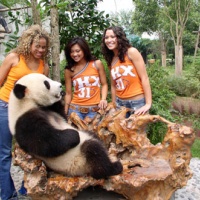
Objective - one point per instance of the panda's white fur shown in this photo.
(32, 97)
(78, 164)
(37, 120)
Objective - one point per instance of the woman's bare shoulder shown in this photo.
(132, 50)
(13, 55)
(11, 59)
(98, 64)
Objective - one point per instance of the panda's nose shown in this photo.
(62, 93)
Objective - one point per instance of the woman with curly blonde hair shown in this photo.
(30, 56)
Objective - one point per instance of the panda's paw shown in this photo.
(117, 168)
(111, 169)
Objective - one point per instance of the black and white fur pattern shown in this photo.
(37, 120)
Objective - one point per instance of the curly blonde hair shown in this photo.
(30, 35)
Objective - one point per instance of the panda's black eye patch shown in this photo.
(46, 83)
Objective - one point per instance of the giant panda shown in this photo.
(37, 120)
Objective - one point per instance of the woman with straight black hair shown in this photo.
(85, 80)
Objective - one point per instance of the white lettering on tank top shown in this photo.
(83, 85)
(122, 71)
(119, 72)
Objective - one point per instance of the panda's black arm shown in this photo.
(57, 107)
(37, 136)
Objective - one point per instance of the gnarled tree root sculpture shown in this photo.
(150, 172)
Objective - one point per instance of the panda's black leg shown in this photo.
(98, 160)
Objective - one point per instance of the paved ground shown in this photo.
(189, 192)
(192, 190)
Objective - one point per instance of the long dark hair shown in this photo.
(84, 47)
(123, 45)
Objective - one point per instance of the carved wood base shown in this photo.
(150, 172)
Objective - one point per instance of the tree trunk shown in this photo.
(178, 60)
(178, 21)
(197, 43)
(163, 49)
(164, 57)
(55, 48)
(36, 14)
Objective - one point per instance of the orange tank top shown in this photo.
(86, 85)
(127, 81)
(15, 73)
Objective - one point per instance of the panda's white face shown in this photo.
(38, 89)
(32, 91)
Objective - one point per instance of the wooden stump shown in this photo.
(149, 171)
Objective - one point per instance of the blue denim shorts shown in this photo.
(3, 104)
(132, 104)
(83, 111)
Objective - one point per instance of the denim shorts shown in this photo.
(77, 109)
(132, 104)
(3, 104)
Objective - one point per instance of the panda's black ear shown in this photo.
(46, 83)
(19, 91)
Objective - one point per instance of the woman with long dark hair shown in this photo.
(130, 85)
(85, 80)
